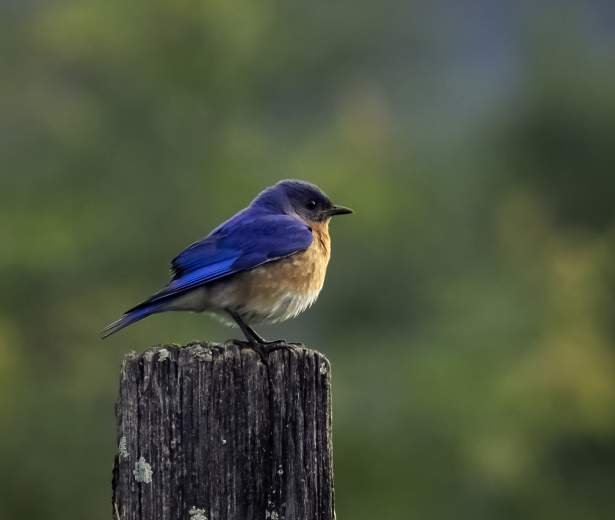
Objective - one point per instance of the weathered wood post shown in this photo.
(209, 431)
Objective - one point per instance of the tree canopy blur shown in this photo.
(470, 305)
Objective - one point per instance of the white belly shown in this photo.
(288, 306)
(217, 299)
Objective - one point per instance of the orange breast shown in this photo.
(301, 272)
(277, 290)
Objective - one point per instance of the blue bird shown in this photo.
(266, 264)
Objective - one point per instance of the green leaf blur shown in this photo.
(469, 309)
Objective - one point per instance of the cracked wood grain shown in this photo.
(209, 431)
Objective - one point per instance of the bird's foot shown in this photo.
(256, 342)
(264, 348)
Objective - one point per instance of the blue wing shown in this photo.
(240, 244)
(246, 241)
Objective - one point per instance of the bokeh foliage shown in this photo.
(470, 303)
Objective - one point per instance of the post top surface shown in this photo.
(208, 351)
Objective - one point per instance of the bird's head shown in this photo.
(306, 200)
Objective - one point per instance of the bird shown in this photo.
(264, 265)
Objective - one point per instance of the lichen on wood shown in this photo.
(211, 431)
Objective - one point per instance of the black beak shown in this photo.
(337, 210)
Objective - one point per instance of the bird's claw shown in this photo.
(264, 348)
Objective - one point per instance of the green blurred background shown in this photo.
(469, 310)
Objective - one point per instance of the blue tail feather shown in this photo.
(131, 316)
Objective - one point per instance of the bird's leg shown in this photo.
(257, 342)
(248, 331)
(259, 339)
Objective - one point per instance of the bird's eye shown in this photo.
(311, 205)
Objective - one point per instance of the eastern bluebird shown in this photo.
(265, 264)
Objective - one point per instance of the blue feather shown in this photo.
(252, 237)
(208, 272)
(130, 317)
(246, 241)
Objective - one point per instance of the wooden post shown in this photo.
(209, 431)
